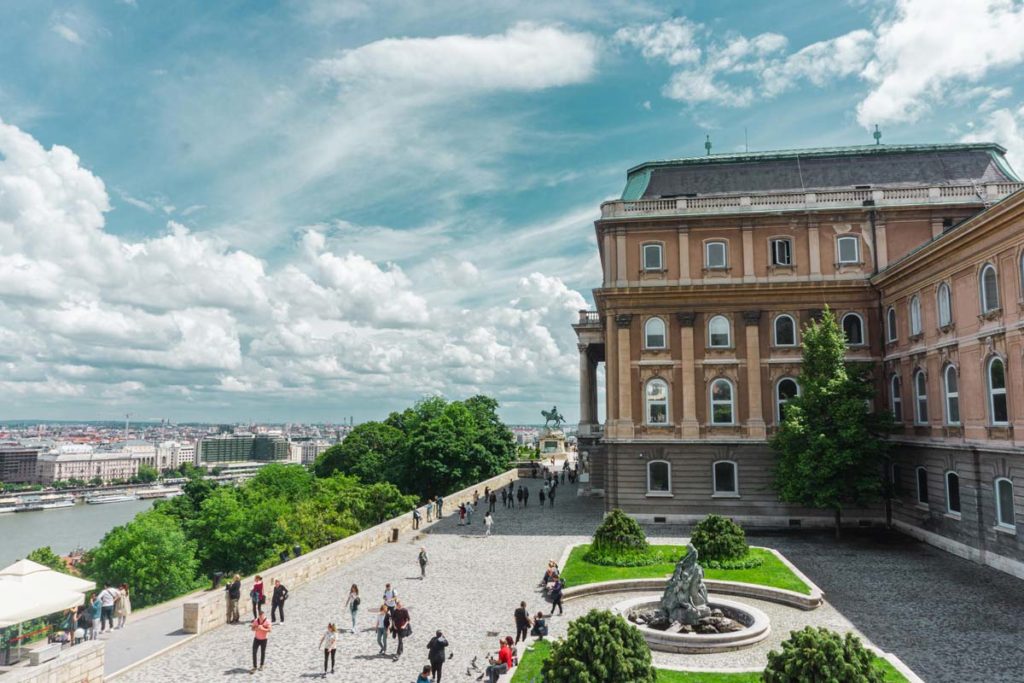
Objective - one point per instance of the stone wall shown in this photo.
(209, 610)
(79, 664)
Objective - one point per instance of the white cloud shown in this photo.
(820, 62)
(1006, 127)
(674, 41)
(67, 33)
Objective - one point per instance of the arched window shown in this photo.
(953, 493)
(853, 329)
(989, 286)
(786, 390)
(1005, 516)
(719, 334)
(656, 398)
(920, 398)
(915, 315)
(725, 482)
(659, 477)
(654, 333)
(997, 409)
(890, 325)
(785, 330)
(952, 396)
(722, 409)
(848, 249)
(653, 257)
(922, 485)
(716, 254)
(896, 398)
(945, 305)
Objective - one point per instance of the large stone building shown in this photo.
(242, 447)
(19, 464)
(711, 266)
(82, 461)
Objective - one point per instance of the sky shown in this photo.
(308, 210)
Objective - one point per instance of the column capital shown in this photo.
(624, 319)
(582, 347)
(751, 317)
(686, 318)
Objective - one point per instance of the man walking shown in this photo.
(107, 598)
(556, 596)
(440, 507)
(415, 518)
(390, 599)
(234, 590)
(400, 624)
(522, 618)
(526, 497)
(519, 496)
(493, 501)
(260, 630)
(541, 494)
(423, 563)
(504, 498)
(277, 599)
(551, 498)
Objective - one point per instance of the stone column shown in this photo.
(586, 418)
(748, 252)
(684, 256)
(881, 247)
(813, 251)
(690, 427)
(755, 418)
(624, 429)
(609, 260)
(621, 275)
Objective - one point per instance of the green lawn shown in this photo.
(772, 571)
(533, 659)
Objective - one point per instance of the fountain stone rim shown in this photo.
(699, 643)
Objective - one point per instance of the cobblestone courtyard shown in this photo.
(473, 583)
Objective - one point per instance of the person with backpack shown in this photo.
(423, 563)
(234, 591)
(390, 599)
(277, 599)
(401, 628)
(329, 643)
(260, 630)
(435, 655)
(352, 604)
(256, 596)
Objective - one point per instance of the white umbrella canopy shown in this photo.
(28, 572)
(21, 601)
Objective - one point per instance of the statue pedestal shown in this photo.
(552, 444)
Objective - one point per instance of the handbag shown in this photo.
(406, 631)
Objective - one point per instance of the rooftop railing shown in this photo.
(808, 201)
(589, 318)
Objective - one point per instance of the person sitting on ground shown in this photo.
(550, 574)
(540, 626)
(500, 664)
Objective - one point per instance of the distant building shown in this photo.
(225, 448)
(170, 455)
(143, 451)
(19, 464)
(81, 461)
(308, 450)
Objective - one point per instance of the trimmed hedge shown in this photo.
(620, 542)
(817, 654)
(719, 539)
(600, 647)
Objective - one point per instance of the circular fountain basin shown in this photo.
(755, 628)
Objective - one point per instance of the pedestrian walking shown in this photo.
(256, 596)
(488, 523)
(476, 497)
(234, 591)
(423, 563)
(260, 630)
(401, 626)
(424, 676)
(430, 510)
(492, 501)
(415, 518)
(122, 605)
(563, 476)
(522, 618)
(108, 596)
(556, 596)
(541, 495)
(329, 643)
(85, 623)
(383, 625)
(470, 507)
(551, 498)
(436, 655)
(519, 496)
(95, 615)
(526, 497)
(277, 599)
(352, 604)
(440, 507)
(462, 514)
(504, 498)
(390, 599)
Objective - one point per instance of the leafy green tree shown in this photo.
(150, 554)
(45, 556)
(237, 531)
(600, 647)
(367, 453)
(147, 474)
(830, 445)
(278, 480)
(719, 538)
(817, 654)
(620, 541)
(96, 481)
(185, 508)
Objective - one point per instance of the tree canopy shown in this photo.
(46, 557)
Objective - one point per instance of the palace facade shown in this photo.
(712, 265)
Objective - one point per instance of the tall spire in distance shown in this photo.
(707, 144)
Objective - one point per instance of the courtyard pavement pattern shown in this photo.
(474, 583)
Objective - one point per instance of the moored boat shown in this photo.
(109, 498)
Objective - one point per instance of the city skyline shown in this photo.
(292, 212)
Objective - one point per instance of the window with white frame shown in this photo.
(922, 485)
(656, 397)
(952, 395)
(785, 330)
(944, 300)
(915, 315)
(654, 333)
(896, 398)
(920, 398)
(719, 332)
(953, 493)
(722, 405)
(785, 391)
(853, 329)
(848, 249)
(782, 251)
(724, 478)
(1005, 516)
(659, 477)
(716, 254)
(997, 408)
(989, 286)
(891, 333)
(653, 257)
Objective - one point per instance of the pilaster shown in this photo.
(624, 427)
(621, 275)
(814, 250)
(748, 252)
(755, 418)
(684, 256)
(690, 427)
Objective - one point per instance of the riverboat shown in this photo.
(102, 499)
(45, 502)
(8, 505)
(158, 493)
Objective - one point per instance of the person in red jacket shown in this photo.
(502, 663)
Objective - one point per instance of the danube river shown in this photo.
(63, 529)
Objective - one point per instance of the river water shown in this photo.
(63, 529)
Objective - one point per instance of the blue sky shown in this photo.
(309, 209)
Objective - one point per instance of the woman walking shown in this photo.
(122, 605)
(383, 624)
(353, 604)
(95, 612)
(488, 522)
(256, 596)
(260, 630)
(435, 655)
(329, 643)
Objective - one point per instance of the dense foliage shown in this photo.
(600, 647)
(46, 557)
(620, 541)
(432, 448)
(817, 654)
(830, 444)
(719, 539)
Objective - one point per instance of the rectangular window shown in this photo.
(658, 477)
(652, 257)
(782, 252)
(715, 255)
(725, 477)
(849, 249)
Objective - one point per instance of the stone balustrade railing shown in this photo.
(77, 664)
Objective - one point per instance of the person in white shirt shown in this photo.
(488, 522)
(108, 596)
(329, 643)
(390, 598)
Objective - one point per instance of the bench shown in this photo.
(43, 653)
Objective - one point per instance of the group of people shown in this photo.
(97, 615)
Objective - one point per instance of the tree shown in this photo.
(600, 647)
(46, 557)
(830, 445)
(368, 453)
(620, 541)
(150, 554)
(719, 538)
(147, 474)
(279, 480)
(817, 654)
(237, 530)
